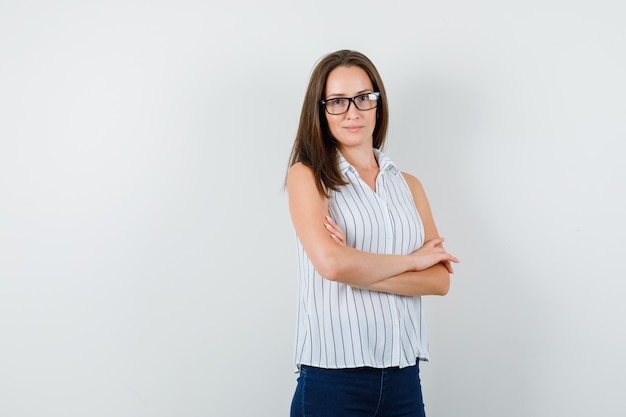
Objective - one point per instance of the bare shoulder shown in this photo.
(422, 205)
(299, 175)
(302, 186)
(414, 184)
(298, 168)
(419, 196)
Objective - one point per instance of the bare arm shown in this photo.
(434, 280)
(337, 262)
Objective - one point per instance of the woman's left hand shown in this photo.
(335, 231)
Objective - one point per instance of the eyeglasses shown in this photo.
(340, 105)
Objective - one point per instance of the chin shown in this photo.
(355, 142)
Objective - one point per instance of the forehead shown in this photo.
(347, 81)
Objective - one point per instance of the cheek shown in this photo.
(332, 125)
(374, 120)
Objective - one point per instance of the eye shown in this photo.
(363, 98)
(337, 101)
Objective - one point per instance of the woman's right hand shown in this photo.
(431, 254)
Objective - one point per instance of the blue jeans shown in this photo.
(358, 392)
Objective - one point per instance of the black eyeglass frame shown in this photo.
(350, 101)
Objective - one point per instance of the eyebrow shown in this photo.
(337, 95)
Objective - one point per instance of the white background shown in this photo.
(147, 259)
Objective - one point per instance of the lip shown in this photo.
(353, 128)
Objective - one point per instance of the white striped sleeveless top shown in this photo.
(342, 327)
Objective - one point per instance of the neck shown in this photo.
(362, 158)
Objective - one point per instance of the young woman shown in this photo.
(368, 249)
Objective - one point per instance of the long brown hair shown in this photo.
(314, 145)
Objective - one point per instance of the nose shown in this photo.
(352, 112)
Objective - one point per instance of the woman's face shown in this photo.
(354, 127)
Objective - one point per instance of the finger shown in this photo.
(336, 229)
(446, 257)
(434, 242)
(336, 234)
(454, 259)
(448, 266)
(331, 221)
(338, 240)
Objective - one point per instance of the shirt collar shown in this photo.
(384, 163)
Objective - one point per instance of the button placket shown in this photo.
(381, 197)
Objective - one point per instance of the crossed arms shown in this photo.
(423, 272)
